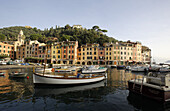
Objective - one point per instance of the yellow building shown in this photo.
(88, 54)
(64, 52)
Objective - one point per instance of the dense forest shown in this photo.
(82, 35)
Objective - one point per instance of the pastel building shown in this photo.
(19, 42)
(112, 53)
(88, 54)
(7, 49)
(64, 52)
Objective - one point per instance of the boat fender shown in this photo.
(52, 70)
(78, 75)
(27, 77)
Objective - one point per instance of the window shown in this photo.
(94, 53)
(4, 46)
(72, 51)
(64, 51)
(101, 53)
(87, 53)
(54, 52)
(83, 58)
(59, 56)
(58, 51)
(114, 58)
(53, 56)
(110, 53)
(64, 56)
(110, 48)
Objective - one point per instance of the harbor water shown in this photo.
(110, 94)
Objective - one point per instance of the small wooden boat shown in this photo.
(2, 73)
(17, 74)
(39, 78)
(155, 86)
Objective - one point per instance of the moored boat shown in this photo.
(18, 74)
(155, 86)
(121, 67)
(93, 70)
(39, 78)
(41, 70)
(2, 73)
(139, 69)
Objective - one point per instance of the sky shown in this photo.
(147, 21)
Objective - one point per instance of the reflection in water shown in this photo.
(20, 94)
(66, 94)
(146, 104)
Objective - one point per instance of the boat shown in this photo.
(41, 70)
(164, 69)
(94, 69)
(2, 73)
(62, 69)
(139, 69)
(154, 85)
(121, 67)
(128, 68)
(113, 66)
(154, 68)
(3, 62)
(39, 78)
(18, 74)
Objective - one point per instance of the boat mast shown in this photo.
(45, 58)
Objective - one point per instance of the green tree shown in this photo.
(35, 36)
(2, 37)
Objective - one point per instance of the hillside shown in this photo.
(82, 35)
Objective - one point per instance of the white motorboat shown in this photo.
(41, 70)
(17, 74)
(3, 62)
(164, 69)
(93, 70)
(128, 68)
(39, 78)
(2, 73)
(139, 69)
(63, 69)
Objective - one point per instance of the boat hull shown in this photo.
(150, 92)
(16, 75)
(40, 79)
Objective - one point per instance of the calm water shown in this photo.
(111, 94)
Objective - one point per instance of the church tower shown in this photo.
(21, 37)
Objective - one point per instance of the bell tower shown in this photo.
(21, 37)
